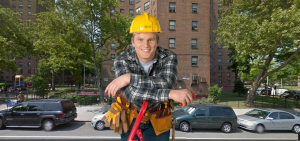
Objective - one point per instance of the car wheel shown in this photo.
(260, 128)
(296, 97)
(184, 126)
(48, 124)
(1, 124)
(296, 129)
(99, 125)
(226, 128)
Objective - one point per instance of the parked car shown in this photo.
(248, 90)
(258, 91)
(266, 92)
(45, 113)
(205, 116)
(96, 121)
(280, 91)
(290, 94)
(260, 120)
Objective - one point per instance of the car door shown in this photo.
(215, 117)
(199, 118)
(32, 116)
(16, 117)
(271, 121)
(286, 121)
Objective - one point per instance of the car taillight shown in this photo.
(61, 115)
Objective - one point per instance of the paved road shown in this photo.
(84, 131)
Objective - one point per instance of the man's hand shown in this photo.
(117, 84)
(183, 96)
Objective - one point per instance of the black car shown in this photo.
(205, 116)
(290, 94)
(46, 113)
(266, 92)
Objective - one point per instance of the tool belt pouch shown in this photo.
(161, 124)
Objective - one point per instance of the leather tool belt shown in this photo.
(160, 117)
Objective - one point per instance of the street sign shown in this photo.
(29, 84)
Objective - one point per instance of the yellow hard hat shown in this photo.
(145, 23)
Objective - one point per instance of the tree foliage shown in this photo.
(77, 31)
(15, 40)
(265, 30)
(239, 87)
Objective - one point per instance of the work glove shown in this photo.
(123, 124)
(113, 115)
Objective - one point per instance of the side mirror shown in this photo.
(269, 118)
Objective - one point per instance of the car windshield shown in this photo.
(258, 113)
(188, 109)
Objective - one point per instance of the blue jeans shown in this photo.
(148, 133)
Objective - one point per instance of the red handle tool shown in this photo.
(137, 123)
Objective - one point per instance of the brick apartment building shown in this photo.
(27, 64)
(187, 29)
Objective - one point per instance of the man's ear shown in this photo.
(132, 41)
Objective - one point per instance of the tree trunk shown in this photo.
(53, 77)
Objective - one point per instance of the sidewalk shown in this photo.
(86, 113)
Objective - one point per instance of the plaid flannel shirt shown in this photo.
(154, 88)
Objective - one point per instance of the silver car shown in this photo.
(96, 121)
(260, 120)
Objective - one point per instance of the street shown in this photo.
(84, 131)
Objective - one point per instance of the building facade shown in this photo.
(27, 64)
(187, 29)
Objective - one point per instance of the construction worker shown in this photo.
(146, 72)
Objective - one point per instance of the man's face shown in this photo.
(145, 45)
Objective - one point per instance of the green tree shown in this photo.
(262, 29)
(15, 41)
(239, 87)
(76, 31)
(214, 93)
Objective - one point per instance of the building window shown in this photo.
(20, 63)
(194, 60)
(220, 60)
(194, 25)
(228, 74)
(112, 11)
(29, 57)
(194, 43)
(113, 46)
(228, 60)
(131, 11)
(147, 5)
(21, 12)
(220, 67)
(195, 8)
(112, 56)
(29, 13)
(220, 46)
(137, 1)
(20, 0)
(112, 68)
(40, 9)
(122, 10)
(171, 43)
(29, 19)
(220, 81)
(13, 5)
(29, 70)
(29, 0)
(29, 64)
(131, 2)
(20, 6)
(220, 53)
(172, 7)
(122, 0)
(1, 78)
(21, 71)
(138, 11)
(130, 46)
(228, 53)
(220, 74)
(171, 25)
(7, 77)
(29, 6)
